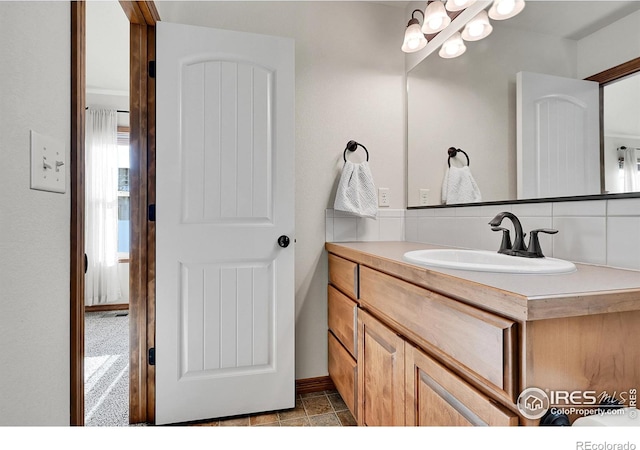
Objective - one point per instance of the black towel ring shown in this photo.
(352, 146)
(452, 154)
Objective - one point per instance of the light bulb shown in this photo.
(458, 5)
(475, 29)
(452, 49)
(454, 46)
(505, 7)
(413, 44)
(435, 23)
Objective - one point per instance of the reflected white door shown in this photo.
(225, 194)
(558, 136)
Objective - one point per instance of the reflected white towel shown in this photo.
(630, 170)
(356, 192)
(460, 187)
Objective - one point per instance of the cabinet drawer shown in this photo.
(440, 398)
(343, 371)
(343, 274)
(343, 316)
(479, 343)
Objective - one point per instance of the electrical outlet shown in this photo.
(424, 197)
(383, 197)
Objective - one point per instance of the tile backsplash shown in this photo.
(603, 232)
(343, 227)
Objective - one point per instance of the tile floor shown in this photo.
(317, 409)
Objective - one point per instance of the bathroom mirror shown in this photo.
(469, 102)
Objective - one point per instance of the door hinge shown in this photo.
(152, 213)
(152, 356)
(152, 69)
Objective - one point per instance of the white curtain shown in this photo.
(630, 170)
(101, 207)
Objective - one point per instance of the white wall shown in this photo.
(34, 225)
(610, 46)
(349, 84)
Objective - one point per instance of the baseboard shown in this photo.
(107, 307)
(317, 384)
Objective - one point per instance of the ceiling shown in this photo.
(107, 48)
(570, 19)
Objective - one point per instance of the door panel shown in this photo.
(225, 184)
(558, 136)
(380, 374)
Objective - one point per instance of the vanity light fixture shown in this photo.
(477, 28)
(414, 39)
(505, 9)
(436, 18)
(458, 5)
(453, 47)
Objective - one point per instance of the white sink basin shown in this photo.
(487, 261)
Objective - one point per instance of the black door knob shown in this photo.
(283, 241)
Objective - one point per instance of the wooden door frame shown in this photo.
(143, 16)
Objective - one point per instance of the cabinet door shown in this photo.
(343, 371)
(380, 374)
(437, 397)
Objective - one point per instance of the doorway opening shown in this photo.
(107, 218)
(136, 193)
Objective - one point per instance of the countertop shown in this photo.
(589, 290)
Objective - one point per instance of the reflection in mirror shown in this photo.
(470, 103)
(621, 126)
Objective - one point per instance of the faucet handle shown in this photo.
(534, 244)
(506, 239)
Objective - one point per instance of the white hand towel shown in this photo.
(460, 187)
(356, 192)
(630, 170)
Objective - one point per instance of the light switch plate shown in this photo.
(48, 163)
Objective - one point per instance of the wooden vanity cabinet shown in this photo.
(438, 349)
(386, 380)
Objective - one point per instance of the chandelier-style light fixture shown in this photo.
(436, 18)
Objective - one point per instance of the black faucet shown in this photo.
(533, 250)
(518, 242)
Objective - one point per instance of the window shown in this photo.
(123, 191)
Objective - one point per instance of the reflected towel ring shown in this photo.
(352, 146)
(452, 154)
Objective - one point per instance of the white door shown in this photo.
(558, 134)
(225, 194)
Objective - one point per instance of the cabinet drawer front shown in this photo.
(343, 371)
(476, 340)
(343, 274)
(440, 398)
(343, 316)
